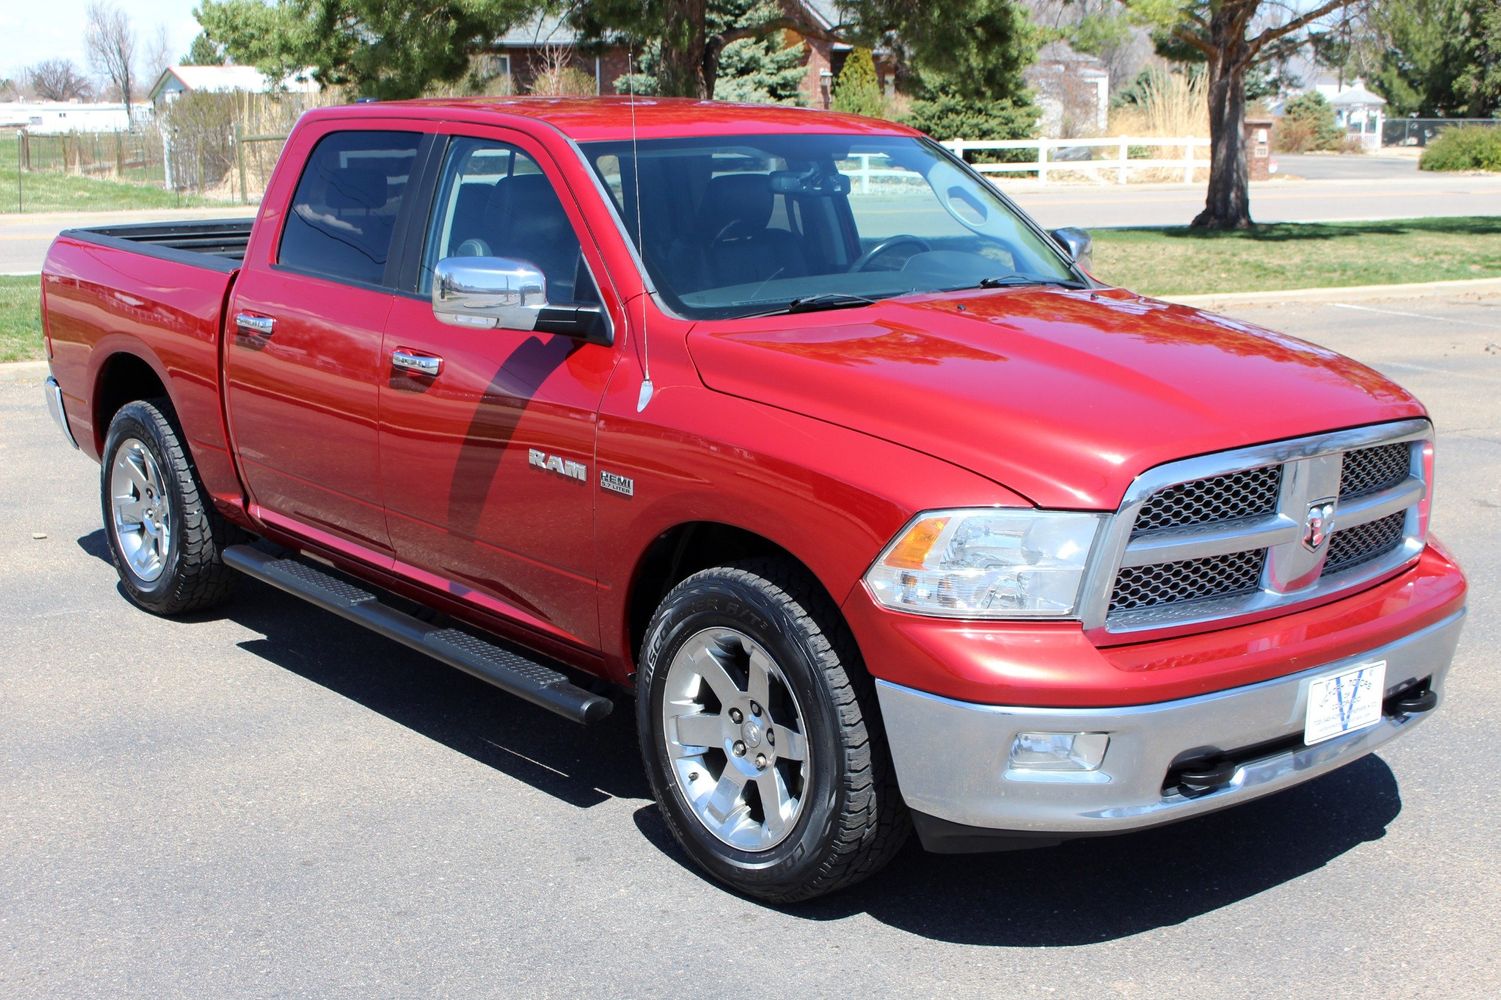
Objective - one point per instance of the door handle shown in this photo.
(422, 364)
(258, 326)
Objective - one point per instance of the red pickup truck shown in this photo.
(889, 513)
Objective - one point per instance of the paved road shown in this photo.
(24, 238)
(270, 802)
(1282, 200)
(1360, 188)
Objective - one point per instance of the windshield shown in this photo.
(743, 225)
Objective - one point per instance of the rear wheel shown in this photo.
(164, 535)
(760, 735)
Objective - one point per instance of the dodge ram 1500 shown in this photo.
(891, 515)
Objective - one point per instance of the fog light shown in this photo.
(1058, 751)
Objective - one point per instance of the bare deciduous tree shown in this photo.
(58, 80)
(158, 56)
(555, 74)
(112, 47)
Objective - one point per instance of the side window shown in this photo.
(495, 201)
(346, 203)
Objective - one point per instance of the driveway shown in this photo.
(271, 802)
(1351, 167)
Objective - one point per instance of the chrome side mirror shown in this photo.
(1077, 245)
(488, 292)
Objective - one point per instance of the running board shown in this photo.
(509, 671)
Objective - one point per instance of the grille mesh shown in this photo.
(1364, 542)
(1208, 501)
(1369, 470)
(1189, 580)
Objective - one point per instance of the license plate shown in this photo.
(1344, 702)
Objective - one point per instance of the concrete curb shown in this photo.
(1349, 293)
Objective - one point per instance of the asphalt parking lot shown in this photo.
(270, 802)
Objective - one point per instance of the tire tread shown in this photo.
(200, 579)
(872, 825)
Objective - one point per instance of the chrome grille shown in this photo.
(1370, 470)
(1189, 580)
(1209, 501)
(1250, 530)
(1364, 542)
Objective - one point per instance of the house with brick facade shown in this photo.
(522, 54)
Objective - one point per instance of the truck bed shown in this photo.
(146, 296)
(214, 243)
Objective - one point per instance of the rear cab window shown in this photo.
(344, 211)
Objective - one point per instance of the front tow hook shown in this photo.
(1414, 703)
(1205, 776)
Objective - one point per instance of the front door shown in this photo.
(488, 466)
(303, 363)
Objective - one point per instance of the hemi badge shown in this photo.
(623, 485)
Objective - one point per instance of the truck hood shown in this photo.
(1062, 396)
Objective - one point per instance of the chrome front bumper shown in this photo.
(952, 756)
(55, 407)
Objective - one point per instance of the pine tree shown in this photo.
(203, 52)
(761, 71)
(857, 91)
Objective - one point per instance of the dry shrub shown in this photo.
(200, 128)
(1168, 104)
(205, 128)
(1294, 136)
(558, 76)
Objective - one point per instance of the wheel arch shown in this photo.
(123, 377)
(686, 548)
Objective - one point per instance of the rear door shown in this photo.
(488, 466)
(303, 364)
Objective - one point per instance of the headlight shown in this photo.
(987, 563)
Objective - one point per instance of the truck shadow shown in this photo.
(1081, 892)
(1106, 888)
(582, 766)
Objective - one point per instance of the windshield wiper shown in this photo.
(1009, 280)
(827, 300)
(816, 303)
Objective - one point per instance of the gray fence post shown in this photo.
(167, 158)
(240, 162)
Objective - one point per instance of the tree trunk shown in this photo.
(681, 70)
(1228, 203)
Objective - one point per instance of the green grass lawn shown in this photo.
(39, 191)
(1182, 261)
(20, 319)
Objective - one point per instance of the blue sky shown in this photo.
(33, 30)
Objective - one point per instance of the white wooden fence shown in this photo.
(1105, 156)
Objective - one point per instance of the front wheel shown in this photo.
(760, 735)
(164, 535)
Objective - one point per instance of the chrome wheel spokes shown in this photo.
(141, 509)
(735, 739)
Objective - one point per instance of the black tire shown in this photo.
(852, 819)
(193, 576)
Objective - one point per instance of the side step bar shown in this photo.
(538, 684)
